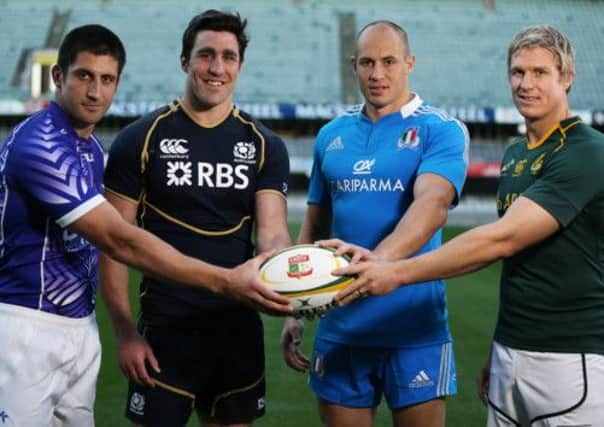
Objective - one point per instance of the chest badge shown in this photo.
(537, 164)
(244, 152)
(519, 168)
(409, 139)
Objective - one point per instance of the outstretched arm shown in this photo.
(105, 228)
(524, 224)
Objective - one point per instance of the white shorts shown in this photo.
(537, 389)
(48, 368)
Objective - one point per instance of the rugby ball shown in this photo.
(303, 273)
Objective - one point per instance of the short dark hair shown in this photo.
(215, 20)
(92, 38)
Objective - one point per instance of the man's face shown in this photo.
(212, 68)
(538, 88)
(382, 66)
(86, 89)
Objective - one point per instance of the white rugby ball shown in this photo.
(303, 273)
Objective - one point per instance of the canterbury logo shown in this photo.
(173, 146)
(363, 167)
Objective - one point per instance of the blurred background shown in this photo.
(297, 75)
(295, 78)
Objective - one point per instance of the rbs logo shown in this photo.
(219, 175)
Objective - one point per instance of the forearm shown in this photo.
(465, 253)
(154, 257)
(316, 225)
(114, 289)
(423, 218)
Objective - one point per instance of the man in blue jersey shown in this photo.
(384, 177)
(51, 213)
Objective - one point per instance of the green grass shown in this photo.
(472, 302)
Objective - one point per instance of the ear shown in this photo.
(353, 62)
(567, 79)
(57, 75)
(410, 61)
(184, 63)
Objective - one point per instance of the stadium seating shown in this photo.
(294, 54)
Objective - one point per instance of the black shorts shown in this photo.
(215, 367)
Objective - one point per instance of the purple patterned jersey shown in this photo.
(49, 177)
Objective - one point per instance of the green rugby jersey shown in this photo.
(552, 293)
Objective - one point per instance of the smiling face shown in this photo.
(86, 89)
(539, 89)
(382, 65)
(212, 70)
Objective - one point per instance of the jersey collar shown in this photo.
(410, 107)
(61, 121)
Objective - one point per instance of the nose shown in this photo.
(527, 81)
(377, 71)
(216, 66)
(94, 89)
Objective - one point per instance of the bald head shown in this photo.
(385, 26)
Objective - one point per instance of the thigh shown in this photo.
(234, 392)
(425, 414)
(505, 409)
(76, 406)
(562, 388)
(34, 362)
(170, 402)
(333, 415)
(421, 374)
(346, 375)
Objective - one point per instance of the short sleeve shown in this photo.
(318, 190)
(446, 153)
(51, 173)
(570, 180)
(275, 172)
(123, 172)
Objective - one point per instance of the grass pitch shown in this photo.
(472, 303)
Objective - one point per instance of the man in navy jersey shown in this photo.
(384, 176)
(205, 177)
(51, 213)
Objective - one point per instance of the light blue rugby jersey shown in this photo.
(49, 177)
(365, 172)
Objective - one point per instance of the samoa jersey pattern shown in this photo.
(195, 184)
(364, 172)
(49, 177)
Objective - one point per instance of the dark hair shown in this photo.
(91, 38)
(215, 20)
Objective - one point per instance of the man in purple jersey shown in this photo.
(51, 213)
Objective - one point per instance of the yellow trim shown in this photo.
(198, 122)
(199, 230)
(145, 153)
(262, 142)
(229, 393)
(271, 191)
(550, 132)
(176, 390)
(122, 196)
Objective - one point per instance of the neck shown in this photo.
(375, 112)
(204, 113)
(537, 128)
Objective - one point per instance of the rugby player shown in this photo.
(546, 365)
(52, 212)
(206, 177)
(384, 177)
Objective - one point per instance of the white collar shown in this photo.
(410, 107)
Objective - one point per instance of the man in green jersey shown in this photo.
(549, 340)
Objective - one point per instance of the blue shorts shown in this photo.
(356, 377)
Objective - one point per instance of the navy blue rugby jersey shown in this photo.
(195, 185)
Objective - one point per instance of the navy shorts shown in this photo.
(216, 368)
(357, 377)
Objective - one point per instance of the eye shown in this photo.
(83, 75)
(389, 61)
(363, 62)
(107, 80)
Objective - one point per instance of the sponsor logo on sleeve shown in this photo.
(137, 404)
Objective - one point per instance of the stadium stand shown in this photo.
(295, 51)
